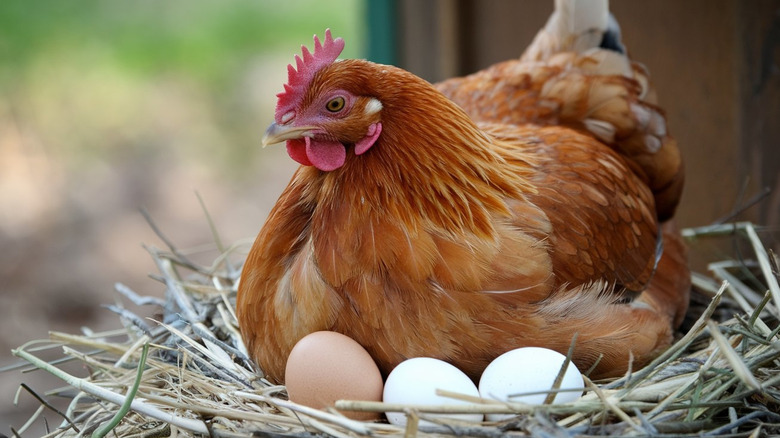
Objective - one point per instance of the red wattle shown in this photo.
(296, 149)
(325, 155)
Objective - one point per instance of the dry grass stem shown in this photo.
(722, 376)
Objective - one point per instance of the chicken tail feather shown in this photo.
(575, 26)
(600, 90)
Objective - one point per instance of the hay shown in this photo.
(721, 378)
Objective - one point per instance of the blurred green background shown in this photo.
(85, 72)
(108, 106)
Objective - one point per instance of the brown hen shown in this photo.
(518, 206)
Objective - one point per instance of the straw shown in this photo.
(720, 377)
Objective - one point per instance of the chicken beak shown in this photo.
(277, 133)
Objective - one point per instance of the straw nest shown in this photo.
(186, 373)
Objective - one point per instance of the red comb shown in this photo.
(297, 80)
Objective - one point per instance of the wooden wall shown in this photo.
(715, 64)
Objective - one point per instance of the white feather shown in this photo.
(373, 106)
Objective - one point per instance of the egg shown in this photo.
(327, 366)
(527, 370)
(415, 381)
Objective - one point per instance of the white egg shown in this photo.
(517, 373)
(415, 381)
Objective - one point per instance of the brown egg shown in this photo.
(327, 366)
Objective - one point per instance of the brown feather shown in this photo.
(519, 208)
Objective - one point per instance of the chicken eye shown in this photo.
(335, 105)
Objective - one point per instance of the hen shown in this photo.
(518, 206)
